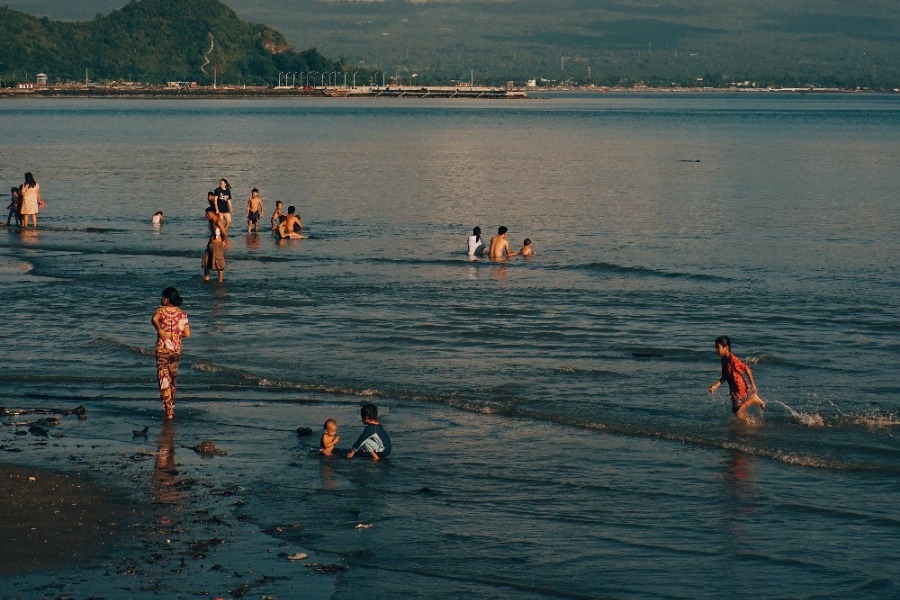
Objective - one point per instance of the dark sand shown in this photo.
(50, 520)
(109, 514)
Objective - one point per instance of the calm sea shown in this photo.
(552, 428)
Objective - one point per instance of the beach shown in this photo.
(52, 521)
(553, 436)
(105, 513)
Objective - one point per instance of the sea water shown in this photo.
(552, 428)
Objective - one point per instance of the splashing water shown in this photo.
(810, 420)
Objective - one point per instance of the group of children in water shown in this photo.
(373, 442)
(219, 216)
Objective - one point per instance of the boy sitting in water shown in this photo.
(330, 438)
(734, 371)
(374, 440)
(276, 216)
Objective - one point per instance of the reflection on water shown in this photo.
(499, 271)
(740, 480)
(165, 473)
(30, 237)
(328, 480)
(218, 307)
(253, 242)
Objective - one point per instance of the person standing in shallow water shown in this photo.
(223, 201)
(734, 372)
(30, 200)
(172, 326)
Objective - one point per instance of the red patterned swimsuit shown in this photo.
(733, 372)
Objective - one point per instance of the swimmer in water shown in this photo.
(500, 249)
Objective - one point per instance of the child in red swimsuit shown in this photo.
(734, 371)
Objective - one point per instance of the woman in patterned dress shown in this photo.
(171, 325)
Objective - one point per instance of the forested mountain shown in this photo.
(658, 42)
(152, 41)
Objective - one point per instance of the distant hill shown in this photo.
(152, 41)
(658, 42)
(771, 42)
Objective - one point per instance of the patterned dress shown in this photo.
(172, 321)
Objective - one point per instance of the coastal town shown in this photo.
(306, 87)
(187, 89)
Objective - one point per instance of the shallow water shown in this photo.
(553, 433)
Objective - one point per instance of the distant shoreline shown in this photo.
(444, 92)
(251, 92)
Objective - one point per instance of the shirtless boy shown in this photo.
(282, 231)
(255, 210)
(500, 249)
(293, 224)
(276, 216)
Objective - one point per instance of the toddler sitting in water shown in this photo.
(526, 248)
(330, 438)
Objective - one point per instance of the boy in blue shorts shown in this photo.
(374, 440)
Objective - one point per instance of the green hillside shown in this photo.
(657, 42)
(153, 41)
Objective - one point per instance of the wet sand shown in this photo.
(51, 520)
(92, 510)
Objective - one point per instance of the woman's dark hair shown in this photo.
(724, 341)
(369, 411)
(227, 185)
(29, 179)
(477, 233)
(171, 294)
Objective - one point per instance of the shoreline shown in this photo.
(254, 92)
(94, 509)
(427, 92)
